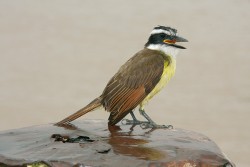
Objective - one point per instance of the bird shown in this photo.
(138, 80)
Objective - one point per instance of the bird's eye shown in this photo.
(162, 35)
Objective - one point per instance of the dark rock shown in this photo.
(93, 143)
(68, 139)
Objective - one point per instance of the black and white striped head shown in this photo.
(164, 37)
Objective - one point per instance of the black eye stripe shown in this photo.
(162, 35)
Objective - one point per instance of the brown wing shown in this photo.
(131, 84)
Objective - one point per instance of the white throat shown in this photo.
(168, 50)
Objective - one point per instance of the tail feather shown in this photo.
(90, 107)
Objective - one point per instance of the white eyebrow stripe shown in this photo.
(158, 31)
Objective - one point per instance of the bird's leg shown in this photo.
(151, 123)
(135, 121)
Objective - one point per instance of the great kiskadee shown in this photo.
(138, 80)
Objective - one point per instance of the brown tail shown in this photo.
(90, 107)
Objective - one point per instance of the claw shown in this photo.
(132, 122)
(170, 127)
(144, 125)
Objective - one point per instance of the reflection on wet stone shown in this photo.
(93, 143)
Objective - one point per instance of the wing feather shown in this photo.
(132, 83)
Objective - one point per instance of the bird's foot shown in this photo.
(155, 126)
(133, 122)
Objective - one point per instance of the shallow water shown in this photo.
(57, 57)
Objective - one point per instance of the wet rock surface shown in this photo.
(93, 143)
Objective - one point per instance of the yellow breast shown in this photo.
(168, 73)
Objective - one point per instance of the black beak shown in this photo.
(179, 39)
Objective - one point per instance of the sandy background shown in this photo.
(56, 56)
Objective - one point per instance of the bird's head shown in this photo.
(164, 37)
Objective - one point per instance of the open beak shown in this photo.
(176, 39)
